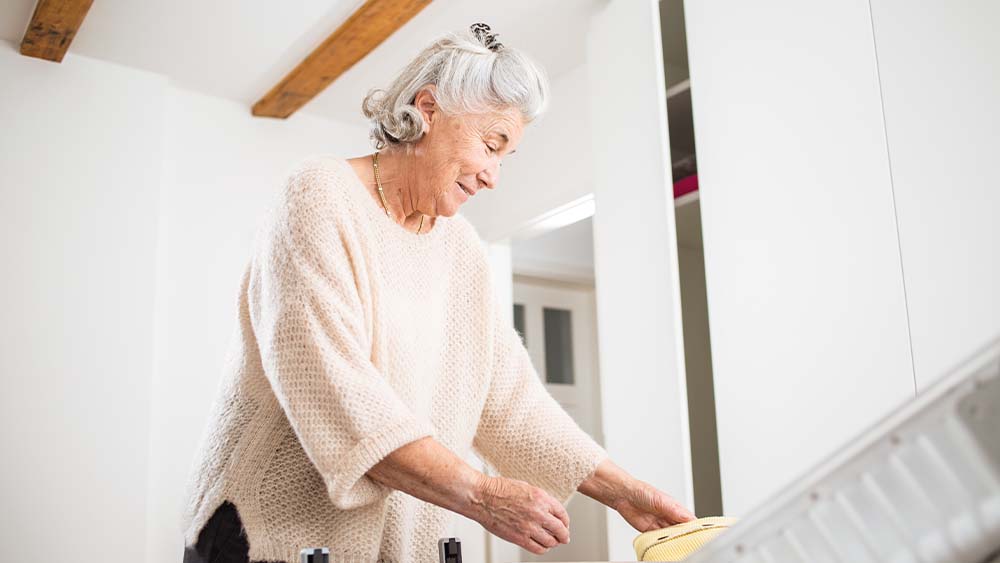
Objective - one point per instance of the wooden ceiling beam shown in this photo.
(368, 26)
(53, 27)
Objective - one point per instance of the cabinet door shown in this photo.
(942, 133)
(806, 306)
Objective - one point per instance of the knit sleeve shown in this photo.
(309, 319)
(523, 432)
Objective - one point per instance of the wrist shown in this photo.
(474, 495)
(609, 484)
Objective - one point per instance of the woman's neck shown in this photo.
(397, 168)
(396, 172)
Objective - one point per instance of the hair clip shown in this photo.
(482, 33)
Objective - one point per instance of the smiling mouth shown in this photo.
(466, 190)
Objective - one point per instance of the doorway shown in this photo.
(554, 311)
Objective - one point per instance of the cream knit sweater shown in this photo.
(354, 338)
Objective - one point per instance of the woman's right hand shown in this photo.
(522, 514)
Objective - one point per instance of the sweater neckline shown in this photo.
(388, 224)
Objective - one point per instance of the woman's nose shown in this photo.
(488, 178)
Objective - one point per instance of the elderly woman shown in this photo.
(370, 358)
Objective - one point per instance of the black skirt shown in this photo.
(221, 540)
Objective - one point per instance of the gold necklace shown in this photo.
(381, 194)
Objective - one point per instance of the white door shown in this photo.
(558, 324)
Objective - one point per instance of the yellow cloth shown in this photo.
(678, 542)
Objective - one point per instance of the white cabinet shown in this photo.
(850, 193)
(805, 295)
(939, 68)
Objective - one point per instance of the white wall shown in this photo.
(806, 303)
(79, 176)
(939, 67)
(223, 167)
(129, 212)
(635, 257)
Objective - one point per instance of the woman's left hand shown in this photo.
(647, 508)
(642, 505)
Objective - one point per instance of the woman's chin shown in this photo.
(451, 209)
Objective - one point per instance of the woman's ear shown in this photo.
(426, 104)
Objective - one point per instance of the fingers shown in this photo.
(544, 538)
(677, 512)
(539, 542)
(551, 533)
(557, 529)
(667, 507)
(547, 539)
(683, 514)
(535, 547)
(559, 512)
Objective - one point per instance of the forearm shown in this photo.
(609, 484)
(427, 470)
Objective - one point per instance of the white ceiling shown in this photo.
(238, 49)
(570, 249)
(566, 250)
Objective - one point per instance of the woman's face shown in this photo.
(460, 155)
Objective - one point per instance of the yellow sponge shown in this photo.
(677, 542)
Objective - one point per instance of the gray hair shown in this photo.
(469, 77)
